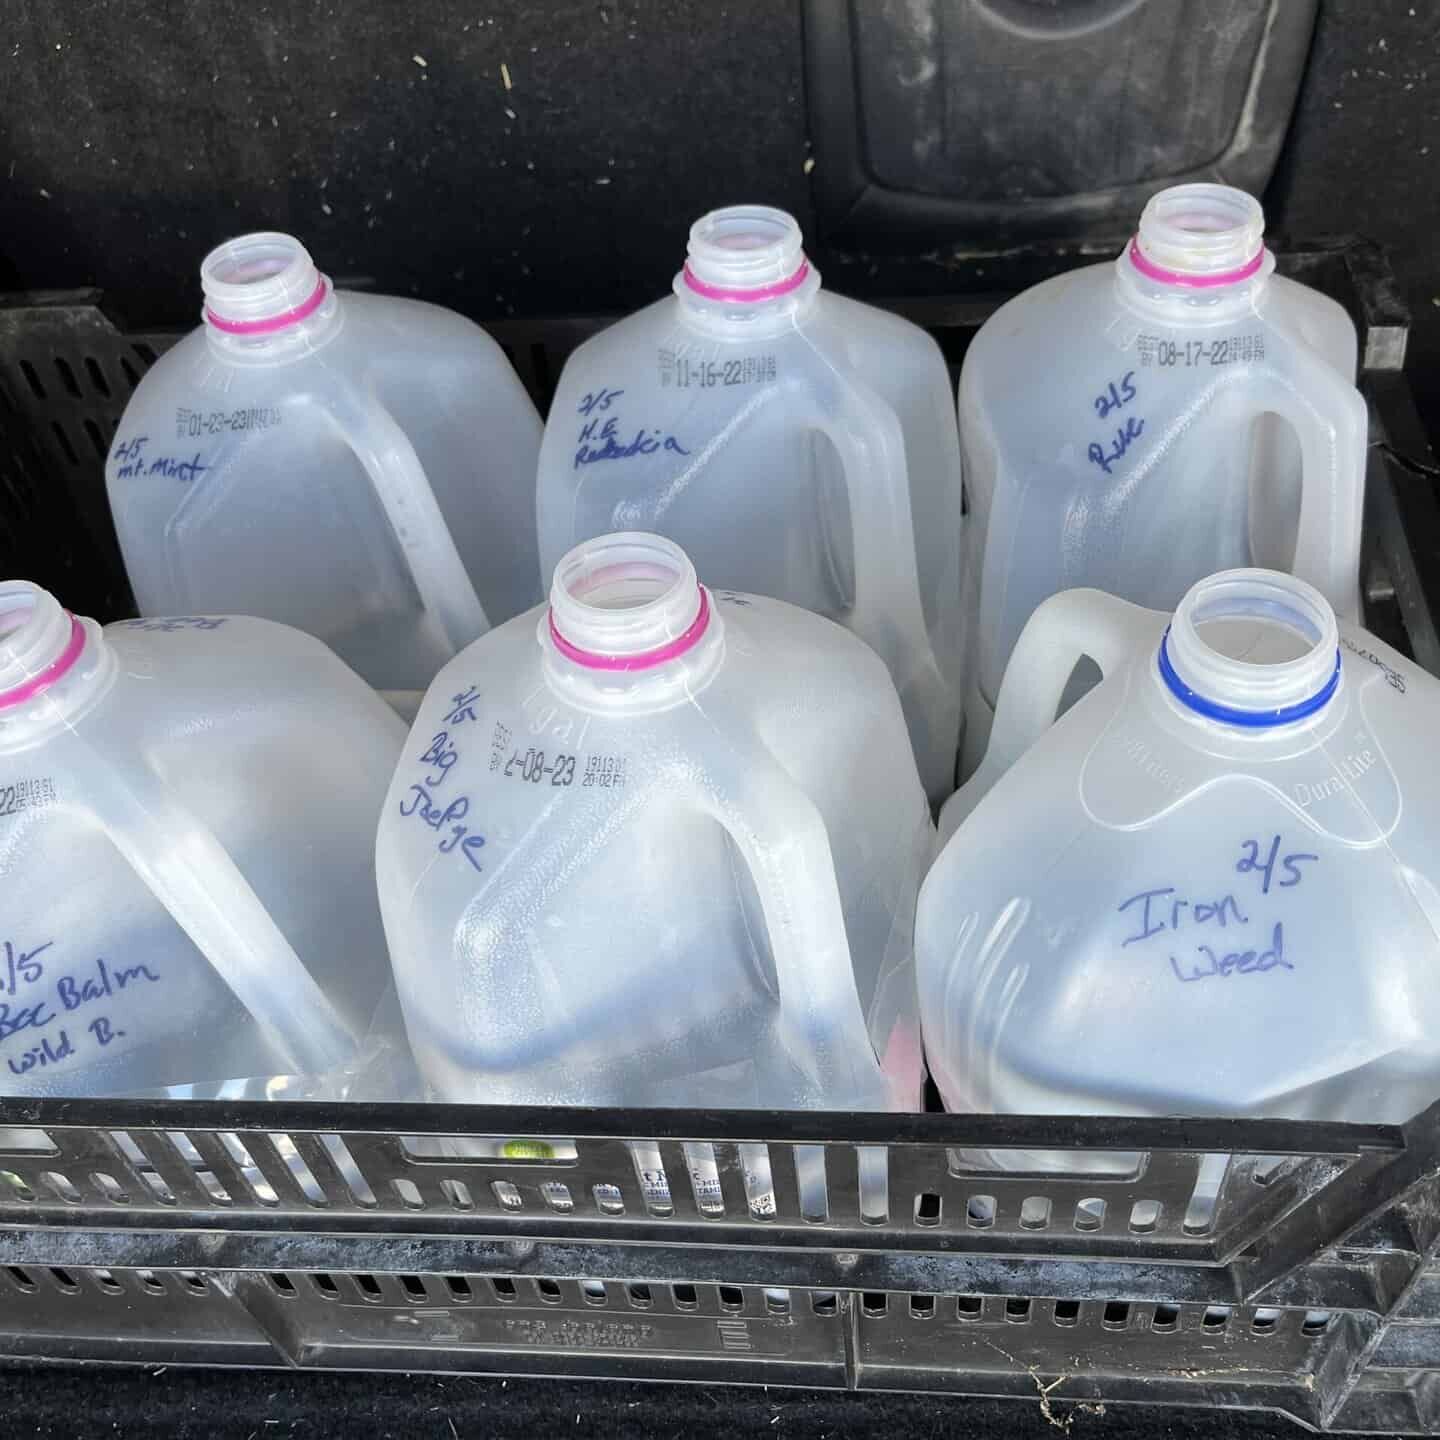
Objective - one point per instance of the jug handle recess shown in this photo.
(883, 528)
(1332, 497)
(781, 836)
(188, 870)
(1062, 631)
(404, 491)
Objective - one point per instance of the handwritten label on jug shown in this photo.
(189, 424)
(49, 1008)
(1166, 354)
(604, 435)
(1116, 395)
(686, 372)
(18, 795)
(446, 814)
(134, 458)
(1218, 935)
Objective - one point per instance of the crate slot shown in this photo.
(408, 1194)
(1145, 1216)
(457, 1194)
(32, 379)
(63, 440)
(63, 1186)
(349, 1170)
(67, 377)
(608, 1199)
(109, 1188)
(17, 1187)
(97, 376)
(1017, 1311)
(1035, 1212)
(1067, 1312)
(980, 1212)
(557, 1196)
(507, 1196)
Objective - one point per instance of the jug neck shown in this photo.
(629, 627)
(745, 272)
(1199, 255)
(53, 664)
(1255, 651)
(264, 299)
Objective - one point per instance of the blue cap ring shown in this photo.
(1249, 719)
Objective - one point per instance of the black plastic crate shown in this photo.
(319, 1236)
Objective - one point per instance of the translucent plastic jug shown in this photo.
(658, 845)
(1210, 887)
(359, 466)
(797, 444)
(187, 813)
(1138, 425)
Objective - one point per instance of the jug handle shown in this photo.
(1062, 631)
(878, 486)
(394, 469)
(1332, 489)
(188, 870)
(782, 838)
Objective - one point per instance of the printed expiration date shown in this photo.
(687, 372)
(26, 795)
(1164, 354)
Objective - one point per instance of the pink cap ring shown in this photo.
(750, 296)
(38, 684)
(272, 323)
(1152, 271)
(647, 659)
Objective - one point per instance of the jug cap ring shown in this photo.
(1232, 715)
(750, 295)
(272, 323)
(1152, 271)
(647, 659)
(38, 683)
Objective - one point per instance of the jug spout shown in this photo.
(745, 261)
(629, 623)
(262, 285)
(1252, 648)
(47, 655)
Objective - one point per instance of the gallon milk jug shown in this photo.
(187, 811)
(658, 845)
(797, 444)
(1210, 888)
(359, 466)
(1137, 425)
